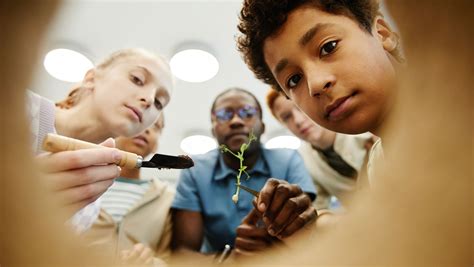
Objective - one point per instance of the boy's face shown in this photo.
(337, 73)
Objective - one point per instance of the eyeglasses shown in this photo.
(226, 114)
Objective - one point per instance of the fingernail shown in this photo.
(119, 169)
(261, 207)
(271, 232)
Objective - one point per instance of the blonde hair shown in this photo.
(79, 91)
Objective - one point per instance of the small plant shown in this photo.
(240, 156)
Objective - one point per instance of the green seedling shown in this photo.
(240, 156)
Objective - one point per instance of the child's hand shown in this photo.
(138, 255)
(285, 207)
(79, 177)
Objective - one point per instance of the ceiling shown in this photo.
(97, 28)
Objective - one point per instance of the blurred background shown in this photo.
(85, 31)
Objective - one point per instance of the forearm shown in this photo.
(188, 230)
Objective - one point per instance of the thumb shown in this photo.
(110, 142)
(253, 217)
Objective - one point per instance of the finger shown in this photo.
(110, 142)
(291, 209)
(149, 261)
(248, 244)
(266, 194)
(242, 252)
(133, 255)
(252, 218)
(69, 160)
(124, 254)
(250, 231)
(85, 192)
(83, 176)
(280, 196)
(307, 217)
(145, 255)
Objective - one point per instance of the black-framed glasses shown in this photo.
(246, 112)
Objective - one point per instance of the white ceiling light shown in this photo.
(194, 65)
(198, 144)
(284, 141)
(67, 65)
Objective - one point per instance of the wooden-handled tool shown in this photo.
(57, 143)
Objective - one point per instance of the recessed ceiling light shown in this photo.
(194, 65)
(198, 144)
(67, 65)
(284, 141)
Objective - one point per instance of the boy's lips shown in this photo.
(136, 111)
(338, 107)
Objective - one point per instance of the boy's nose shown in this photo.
(319, 83)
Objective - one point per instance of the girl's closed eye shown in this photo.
(328, 48)
(137, 80)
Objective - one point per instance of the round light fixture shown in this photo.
(284, 141)
(194, 65)
(198, 144)
(67, 65)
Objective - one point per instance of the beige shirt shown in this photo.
(148, 222)
(328, 181)
(375, 163)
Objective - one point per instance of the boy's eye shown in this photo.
(293, 81)
(158, 104)
(328, 48)
(137, 80)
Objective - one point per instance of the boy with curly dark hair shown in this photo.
(336, 59)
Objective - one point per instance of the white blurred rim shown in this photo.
(283, 141)
(67, 65)
(198, 144)
(194, 65)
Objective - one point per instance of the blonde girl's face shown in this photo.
(130, 94)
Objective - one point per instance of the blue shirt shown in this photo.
(208, 188)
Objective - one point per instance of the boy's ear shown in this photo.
(386, 36)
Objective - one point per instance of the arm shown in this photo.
(188, 223)
(188, 230)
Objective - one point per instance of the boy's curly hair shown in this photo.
(260, 19)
